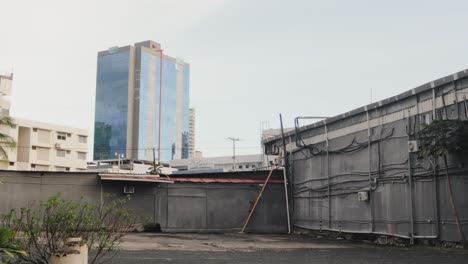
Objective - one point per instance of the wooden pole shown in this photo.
(256, 201)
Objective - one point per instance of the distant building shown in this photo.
(5, 91)
(125, 166)
(45, 147)
(225, 163)
(198, 154)
(191, 139)
(41, 146)
(129, 118)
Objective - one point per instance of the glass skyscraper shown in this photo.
(129, 119)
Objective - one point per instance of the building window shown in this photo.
(33, 147)
(240, 166)
(82, 139)
(61, 136)
(35, 129)
(68, 151)
(11, 163)
(247, 166)
(67, 169)
(33, 166)
(82, 155)
(61, 153)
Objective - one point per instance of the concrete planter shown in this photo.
(66, 256)
(74, 252)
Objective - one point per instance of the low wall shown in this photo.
(178, 207)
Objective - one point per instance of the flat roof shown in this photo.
(133, 177)
(214, 177)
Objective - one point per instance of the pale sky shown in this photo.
(250, 59)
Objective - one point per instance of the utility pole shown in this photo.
(233, 152)
(119, 155)
(154, 162)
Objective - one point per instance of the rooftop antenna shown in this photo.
(11, 70)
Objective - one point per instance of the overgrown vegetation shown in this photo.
(439, 139)
(42, 228)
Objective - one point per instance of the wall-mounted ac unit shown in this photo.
(363, 196)
(129, 189)
(413, 146)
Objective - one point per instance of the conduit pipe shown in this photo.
(410, 181)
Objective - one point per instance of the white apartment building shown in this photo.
(45, 147)
(224, 163)
(40, 146)
(191, 136)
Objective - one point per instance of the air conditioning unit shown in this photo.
(413, 146)
(363, 196)
(129, 189)
(57, 145)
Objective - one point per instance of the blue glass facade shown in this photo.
(112, 106)
(186, 112)
(110, 125)
(148, 114)
(168, 111)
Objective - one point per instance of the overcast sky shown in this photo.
(250, 59)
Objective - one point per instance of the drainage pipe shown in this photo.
(285, 180)
(328, 174)
(287, 200)
(371, 202)
(410, 180)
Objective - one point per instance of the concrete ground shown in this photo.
(271, 249)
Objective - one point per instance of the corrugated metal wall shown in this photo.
(183, 207)
(407, 196)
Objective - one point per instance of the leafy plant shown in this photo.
(155, 169)
(440, 138)
(5, 139)
(7, 246)
(42, 228)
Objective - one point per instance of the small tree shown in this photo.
(155, 169)
(41, 229)
(439, 139)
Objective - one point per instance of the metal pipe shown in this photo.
(433, 105)
(291, 176)
(287, 200)
(466, 107)
(436, 198)
(328, 175)
(285, 167)
(410, 180)
(456, 99)
(371, 203)
(356, 232)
